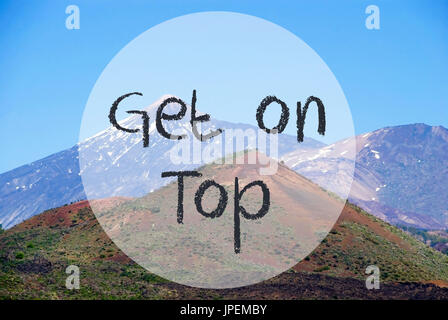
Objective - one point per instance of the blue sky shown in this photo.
(395, 75)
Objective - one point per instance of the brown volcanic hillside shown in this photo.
(34, 256)
(300, 215)
(71, 235)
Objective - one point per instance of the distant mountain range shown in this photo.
(47, 183)
(400, 173)
(56, 180)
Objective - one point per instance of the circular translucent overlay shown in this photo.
(253, 203)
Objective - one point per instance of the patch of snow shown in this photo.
(405, 218)
(377, 154)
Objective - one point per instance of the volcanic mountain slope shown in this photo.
(300, 214)
(41, 185)
(35, 254)
(400, 173)
(56, 180)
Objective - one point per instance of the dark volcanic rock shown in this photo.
(38, 265)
